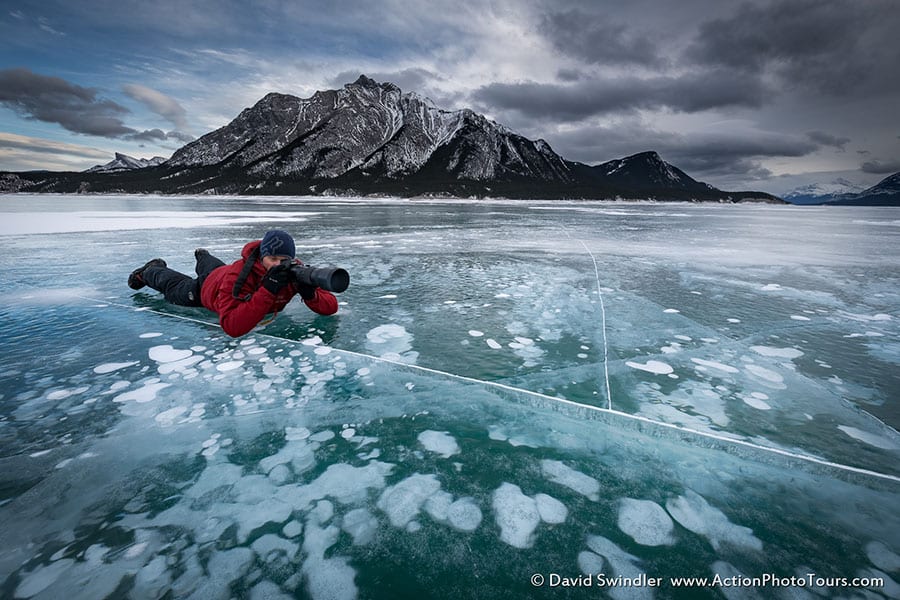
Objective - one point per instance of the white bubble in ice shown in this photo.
(464, 515)
(558, 472)
(652, 366)
(403, 501)
(166, 353)
(715, 365)
(777, 352)
(551, 510)
(439, 442)
(516, 514)
(110, 367)
(646, 522)
(694, 513)
(869, 438)
(229, 366)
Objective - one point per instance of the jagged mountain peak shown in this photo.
(372, 129)
(367, 82)
(123, 162)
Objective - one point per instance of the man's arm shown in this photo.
(323, 302)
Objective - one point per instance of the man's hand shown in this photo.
(276, 278)
(306, 291)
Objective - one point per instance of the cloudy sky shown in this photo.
(761, 94)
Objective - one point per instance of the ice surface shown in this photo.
(445, 434)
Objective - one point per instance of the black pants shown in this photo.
(179, 288)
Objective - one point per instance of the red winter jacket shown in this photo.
(238, 317)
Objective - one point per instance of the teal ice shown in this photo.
(535, 399)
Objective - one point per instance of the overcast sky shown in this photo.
(763, 95)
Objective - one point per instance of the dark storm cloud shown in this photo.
(700, 155)
(689, 93)
(599, 41)
(880, 168)
(738, 154)
(78, 109)
(54, 100)
(826, 139)
(839, 47)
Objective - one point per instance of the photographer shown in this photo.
(263, 281)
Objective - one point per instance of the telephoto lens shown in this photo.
(333, 279)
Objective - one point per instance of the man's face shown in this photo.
(270, 261)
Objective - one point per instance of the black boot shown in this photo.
(136, 281)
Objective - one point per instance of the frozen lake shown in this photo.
(510, 391)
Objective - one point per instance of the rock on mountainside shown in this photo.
(370, 138)
(123, 162)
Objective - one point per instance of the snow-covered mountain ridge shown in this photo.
(123, 162)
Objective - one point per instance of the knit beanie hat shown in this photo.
(277, 243)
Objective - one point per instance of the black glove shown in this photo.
(306, 291)
(276, 278)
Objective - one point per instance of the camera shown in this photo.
(333, 279)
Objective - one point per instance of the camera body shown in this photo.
(332, 279)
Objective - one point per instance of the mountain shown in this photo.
(819, 193)
(884, 193)
(123, 162)
(369, 138)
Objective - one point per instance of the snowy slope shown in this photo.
(819, 193)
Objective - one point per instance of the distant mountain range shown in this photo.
(123, 162)
(843, 192)
(369, 138)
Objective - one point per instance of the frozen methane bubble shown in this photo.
(557, 472)
(402, 502)
(516, 514)
(361, 525)
(646, 522)
(652, 366)
(464, 515)
(694, 513)
(871, 439)
(166, 353)
(715, 365)
(439, 442)
(110, 367)
(551, 510)
(41, 578)
(882, 557)
(789, 353)
(622, 564)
